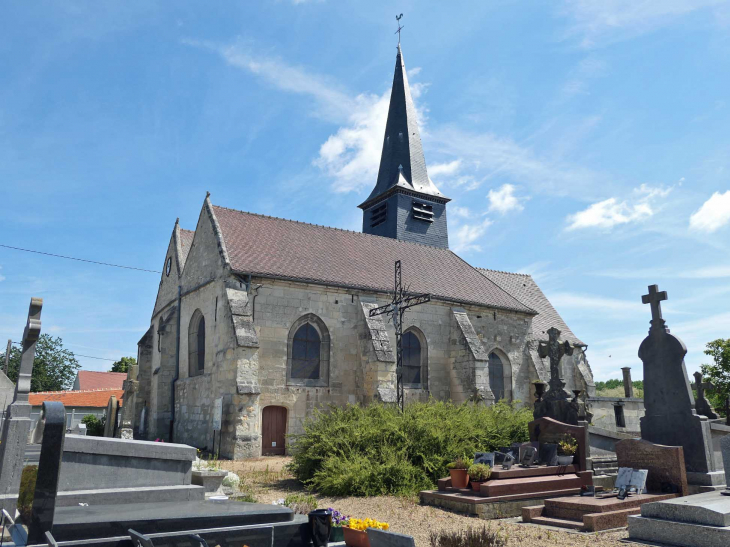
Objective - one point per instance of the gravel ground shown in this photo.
(267, 480)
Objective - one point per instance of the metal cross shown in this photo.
(398, 18)
(655, 298)
(402, 300)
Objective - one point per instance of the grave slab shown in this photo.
(664, 463)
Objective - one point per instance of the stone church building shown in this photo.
(259, 320)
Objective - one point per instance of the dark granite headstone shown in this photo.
(670, 418)
(665, 464)
(49, 469)
(381, 538)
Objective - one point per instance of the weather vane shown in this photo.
(398, 18)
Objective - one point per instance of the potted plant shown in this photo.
(567, 447)
(338, 521)
(479, 473)
(458, 469)
(355, 531)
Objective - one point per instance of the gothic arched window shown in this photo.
(308, 352)
(196, 345)
(415, 362)
(496, 376)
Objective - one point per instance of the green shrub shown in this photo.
(245, 496)
(302, 504)
(94, 426)
(479, 537)
(460, 463)
(376, 450)
(27, 491)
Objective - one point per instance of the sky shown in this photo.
(585, 143)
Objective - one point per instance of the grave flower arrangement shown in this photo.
(479, 473)
(338, 521)
(458, 469)
(567, 447)
(355, 531)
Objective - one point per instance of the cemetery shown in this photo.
(299, 385)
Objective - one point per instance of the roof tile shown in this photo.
(98, 398)
(91, 379)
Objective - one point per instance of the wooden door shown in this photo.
(273, 426)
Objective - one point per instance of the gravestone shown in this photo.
(111, 417)
(725, 448)
(547, 430)
(16, 426)
(702, 405)
(381, 538)
(628, 384)
(670, 418)
(557, 402)
(49, 470)
(131, 387)
(665, 464)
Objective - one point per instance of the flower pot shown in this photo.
(211, 481)
(320, 524)
(565, 460)
(476, 485)
(336, 534)
(355, 538)
(459, 478)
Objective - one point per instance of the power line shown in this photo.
(79, 355)
(78, 259)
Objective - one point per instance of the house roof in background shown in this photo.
(96, 398)
(273, 247)
(524, 288)
(91, 379)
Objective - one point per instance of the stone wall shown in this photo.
(604, 415)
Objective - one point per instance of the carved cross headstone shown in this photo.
(131, 387)
(670, 417)
(555, 351)
(402, 300)
(702, 405)
(16, 426)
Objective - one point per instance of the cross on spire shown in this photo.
(398, 18)
(654, 298)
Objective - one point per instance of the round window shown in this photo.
(168, 266)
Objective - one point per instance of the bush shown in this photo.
(94, 426)
(479, 472)
(27, 492)
(480, 537)
(302, 504)
(377, 450)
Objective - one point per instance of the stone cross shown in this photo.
(16, 426)
(555, 351)
(702, 405)
(654, 299)
(49, 470)
(402, 300)
(131, 387)
(111, 417)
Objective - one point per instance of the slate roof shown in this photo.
(402, 163)
(98, 398)
(186, 240)
(524, 289)
(273, 247)
(90, 379)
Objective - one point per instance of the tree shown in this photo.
(123, 364)
(718, 373)
(54, 367)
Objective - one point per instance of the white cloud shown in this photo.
(707, 272)
(463, 212)
(611, 212)
(588, 302)
(465, 237)
(444, 169)
(607, 21)
(504, 200)
(713, 215)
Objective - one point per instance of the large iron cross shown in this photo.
(654, 298)
(402, 300)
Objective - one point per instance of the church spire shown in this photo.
(402, 162)
(403, 171)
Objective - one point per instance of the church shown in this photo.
(259, 320)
